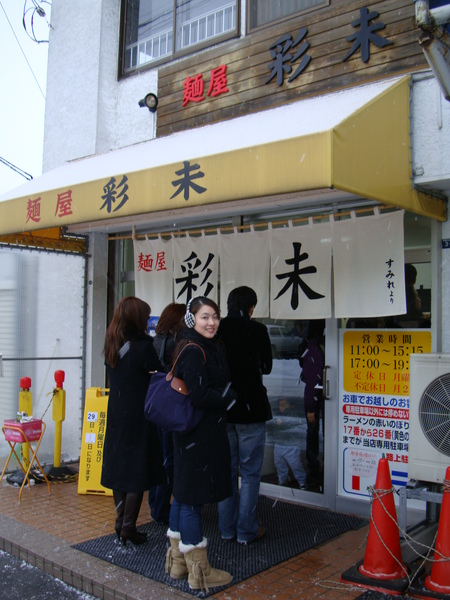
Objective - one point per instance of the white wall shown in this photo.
(88, 111)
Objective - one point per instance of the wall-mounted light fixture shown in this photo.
(150, 101)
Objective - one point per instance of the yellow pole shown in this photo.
(58, 414)
(25, 406)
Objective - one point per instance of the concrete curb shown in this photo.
(91, 575)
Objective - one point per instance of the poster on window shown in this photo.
(195, 271)
(153, 272)
(245, 260)
(368, 258)
(374, 404)
(300, 260)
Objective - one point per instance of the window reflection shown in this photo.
(287, 461)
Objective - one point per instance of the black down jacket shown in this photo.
(249, 355)
(202, 470)
(132, 457)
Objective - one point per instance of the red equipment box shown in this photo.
(32, 429)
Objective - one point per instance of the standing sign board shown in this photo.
(92, 440)
(374, 404)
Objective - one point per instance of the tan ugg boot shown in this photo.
(201, 575)
(175, 563)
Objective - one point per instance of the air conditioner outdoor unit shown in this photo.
(429, 417)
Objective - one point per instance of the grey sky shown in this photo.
(23, 82)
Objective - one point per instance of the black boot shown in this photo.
(119, 501)
(133, 503)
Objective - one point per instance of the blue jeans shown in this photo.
(186, 519)
(237, 514)
(159, 495)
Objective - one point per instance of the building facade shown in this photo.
(308, 123)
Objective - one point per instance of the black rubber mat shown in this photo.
(291, 530)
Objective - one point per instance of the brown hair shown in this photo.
(130, 320)
(171, 319)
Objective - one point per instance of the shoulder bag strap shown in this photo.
(179, 354)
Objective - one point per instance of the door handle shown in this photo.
(326, 383)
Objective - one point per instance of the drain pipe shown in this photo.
(435, 41)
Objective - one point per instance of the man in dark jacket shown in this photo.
(249, 356)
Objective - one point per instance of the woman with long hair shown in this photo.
(132, 457)
(168, 329)
(202, 462)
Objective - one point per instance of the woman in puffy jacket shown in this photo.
(202, 462)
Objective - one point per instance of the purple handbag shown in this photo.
(167, 403)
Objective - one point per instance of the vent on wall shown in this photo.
(429, 417)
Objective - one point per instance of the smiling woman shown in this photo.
(202, 461)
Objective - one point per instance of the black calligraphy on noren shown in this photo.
(294, 279)
(192, 268)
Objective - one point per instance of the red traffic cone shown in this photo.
(439, 578)
(383, 557)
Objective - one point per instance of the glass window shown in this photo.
(149, 27)
(262, 12)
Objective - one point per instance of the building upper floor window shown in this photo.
(155, 30)
(263, 12)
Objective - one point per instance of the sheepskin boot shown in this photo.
(201, 575)
(175, 563)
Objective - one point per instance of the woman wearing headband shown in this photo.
(202, 462)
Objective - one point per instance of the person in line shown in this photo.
(312, 363)
(285, 433)
(202, 473)
(168, 330)
(249, 356)
(132, 457)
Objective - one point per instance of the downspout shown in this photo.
(435, 41)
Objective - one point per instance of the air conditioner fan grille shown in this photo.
(434, 413)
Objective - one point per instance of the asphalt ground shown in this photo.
(21, 581)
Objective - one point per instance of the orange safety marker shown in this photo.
(383, 568)
(383, 557)
(439, 578)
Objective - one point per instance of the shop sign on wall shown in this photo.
(374, 404)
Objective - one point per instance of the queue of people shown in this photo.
(222, 364)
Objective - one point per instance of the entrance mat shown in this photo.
(291, 530)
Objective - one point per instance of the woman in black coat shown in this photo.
(132, 457)
(202, 459)
(168, 330)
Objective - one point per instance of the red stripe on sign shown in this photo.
(355, 482)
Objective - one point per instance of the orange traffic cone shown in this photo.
(439, 578)
(383, 557)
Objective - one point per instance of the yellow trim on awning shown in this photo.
(372, 158)
(367, 154)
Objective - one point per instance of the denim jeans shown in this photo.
(285, 457)
(159, 495)
(187, 520)
(237, 514)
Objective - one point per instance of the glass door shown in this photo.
(295, 459)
